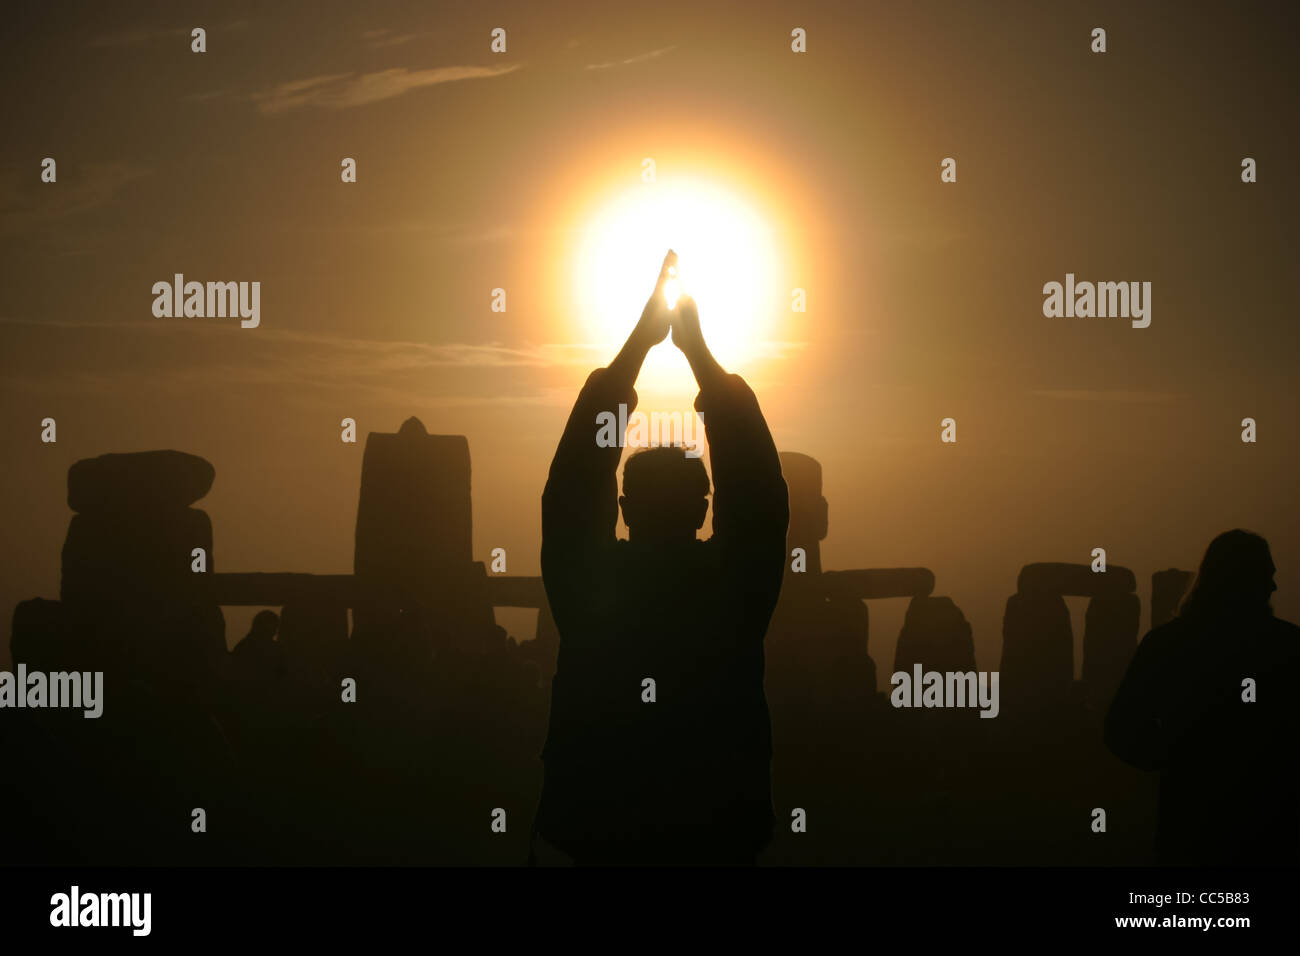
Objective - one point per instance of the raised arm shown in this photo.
(751, 508)
(580, 502)
(651, 329)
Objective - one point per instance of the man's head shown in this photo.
(1236, 574)
(665, 494)
(264, 626)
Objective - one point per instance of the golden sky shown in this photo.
(479, 170)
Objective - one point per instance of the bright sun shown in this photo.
(727, 262)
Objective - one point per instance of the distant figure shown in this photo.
(259, 655)
(685, 778)
(1209, 701)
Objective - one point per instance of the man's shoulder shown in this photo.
(1166, 635)
(1284, 628)
(727, 388)
(1287, 635)
(1170, 628)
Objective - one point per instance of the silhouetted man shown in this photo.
(1225, 748)
(259, 656)
(685, 778)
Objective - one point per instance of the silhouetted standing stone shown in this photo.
(128, 566)
(809, 512)
(820, 678)
(132, 607)
(1075, 579)
(1109, 638)
(41, 633)
(867, 584)
(414, 517)
(413, 549)
(138, 482)
(121, 557)
(1167, 590)
(935, 635)
(817, 638)
(1037, 669)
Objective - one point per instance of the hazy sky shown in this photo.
(475, 171)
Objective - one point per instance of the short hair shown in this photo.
(664, 472)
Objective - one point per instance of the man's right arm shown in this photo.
(750, 501)
(580, 502)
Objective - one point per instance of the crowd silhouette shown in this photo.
(683, 700)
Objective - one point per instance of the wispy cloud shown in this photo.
(1107, 395)
(343, 90)
(143, 36)
(455, 234)
(204, 97)
(381, 354)
(188, 354)
(639, 58)
(379, 39)
(163, 356)
(25, 202)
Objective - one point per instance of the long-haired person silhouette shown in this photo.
(659, 743)
(1209, 701)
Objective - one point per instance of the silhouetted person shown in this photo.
(685, 778)
(258, 656)
(1228, 792)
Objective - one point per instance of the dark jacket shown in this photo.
(1228, 783)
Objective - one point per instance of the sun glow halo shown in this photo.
(727, 262)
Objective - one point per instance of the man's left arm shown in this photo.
(751, 508)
